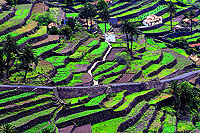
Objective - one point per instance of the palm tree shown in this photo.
(190, 15)
(172, 10)
(26, 57)
(92, 12)
(105, 16)
(84, 13)
(102, 5)
(133, 31)
(2, 63)
(7, 128)
(9, 50)
(125, 29)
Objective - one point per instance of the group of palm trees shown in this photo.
(12, 56)
(89, 11)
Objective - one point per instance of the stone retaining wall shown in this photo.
(36, 121)
(33, 40)
(46, 43)
(8, 16)
(112, 74)
(72, 51)
(48, 53)
(168, 66)
(104, 71)
(12, 28)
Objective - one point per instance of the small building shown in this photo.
(178, 28)
(110, 37)
(152, 20)
(52, 24)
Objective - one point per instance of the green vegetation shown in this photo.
(73, 116)
(39, 51)
(180, 51)
(185, 126)
(169, 124)
(71, 15)
(17, 97)
(108, 80)
(117, 69)
(96, 100)
(156, 123)
(104, 66)
(26, 119)
(160, 98)
(93, 43)
(56, 60)
(114, 100)
(130, 98)
(75, 100)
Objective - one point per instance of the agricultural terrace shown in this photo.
(85, 55)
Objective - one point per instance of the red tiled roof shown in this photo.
(193, 45)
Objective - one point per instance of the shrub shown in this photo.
(53, 30)
(44, 19)
(65, 31)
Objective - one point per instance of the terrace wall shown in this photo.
(168, 66)
(72, 51)
(8, 16)
(179, 34)
(48, 53)
(10, 29)
(142, 11)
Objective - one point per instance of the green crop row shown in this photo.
(23, 6)
(108, 80)
(169, 124)
(96, 100)
(142, 123)
(167, 58)
(93, 43)
(39, 51)
(26, 119)
(144, 15)
(36, 98)
(102, 26)
(185, 126)
(117, 69)
(27, 27)
(73, 116)
(130, 98)
(41, 31)
(156, 123)
(4, 13)
(128, 7)
(36, 128)
(138, 10)
(113, 101)
(6, 115)
(186, 37)
(96, 53)
(79, 52)
(62, 73)
(159, 98)
(180, 51)
(7, 91)
(77, 6)
(16, 97)
(104, 66)
(110, 126)
(71, 15)
(76, 79)
(75, 99)
(117, 5)
(72, 66)
(56, 60)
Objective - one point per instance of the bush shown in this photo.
(53, 30)
(44, 19)
(65, 31)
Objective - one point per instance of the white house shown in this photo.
(152, 20)
(110, 37)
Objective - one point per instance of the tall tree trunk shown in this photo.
(131, 44)
(87, 23)
(127, 41)
(171, 21)
(191, 23)
(91, 25)
(7, 67)
(25, 75)
(105, 26)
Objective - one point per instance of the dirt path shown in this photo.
(104, 58)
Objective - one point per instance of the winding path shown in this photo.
(93, 66)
